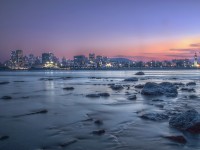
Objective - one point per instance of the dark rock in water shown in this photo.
(6, 97)
(1, 83)
(93, 95)
(3, 137)
(99, 132)
(154, 116)
(159, 105)
(168, 88)
(46, 79)
(95, 78)
(132, 79)
(104, 94)
(139, 73)
(132, 97)
(68, 142)
(66, 78)
(18, 81)
(191, 84)
(98, 122)
(151, 88)
(40, 111)
(179, 84)
(110, 84)
(68, 88)
(188, 121)
(116, 87)
(193, 96)
(157, 100)
(98, 95)
(170, 94)
(139, 86)
(187, 89)
(164, 88)
(25, 97)
(179, 139)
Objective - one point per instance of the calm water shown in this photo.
(69, 111)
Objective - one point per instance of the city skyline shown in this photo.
(160, 30)
(48, 60)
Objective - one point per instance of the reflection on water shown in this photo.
(71, 115)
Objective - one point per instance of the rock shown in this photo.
(191, 84)
(95, 78)
(99, 132)
(139, 73)
(170, 94)
(1, 83)
(132, 97)
(46, 79)
(6, 97)
(98, 122)
(68, 142)
(66, 78)
(187, 89)
(159, 105)
(193, 96)
(132, 79)
(116, 87)
(18, 81)
(168, 88)
(139, 86)
(104, 94)
(154, 116)
(3, 137)
(68, 88)
(164, 88)
(151, 88)
(98, 95)
(179, 84)
(179, 139)
(157, 100)
(93, 95)
(25, 97)
(188, 121)
(39, 111)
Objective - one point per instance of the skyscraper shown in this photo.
(19, 57)
(47, 57)
(195, 60)
(92, 57)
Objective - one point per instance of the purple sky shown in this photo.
(160, 29)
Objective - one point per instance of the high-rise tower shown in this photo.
(195, 60)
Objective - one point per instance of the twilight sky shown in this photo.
(146, 29)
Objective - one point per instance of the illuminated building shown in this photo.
(195, 60)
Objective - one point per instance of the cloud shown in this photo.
(195, 45)
(189, 50)
(182, 55)
(137, 58)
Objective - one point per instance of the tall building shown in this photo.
(19, 56)
(31, 59)
(79, 60)
(195, 60)
(13, 57)
(47, 57)
(92, 57)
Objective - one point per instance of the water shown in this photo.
(69, 112)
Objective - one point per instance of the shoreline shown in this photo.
(109, 69)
